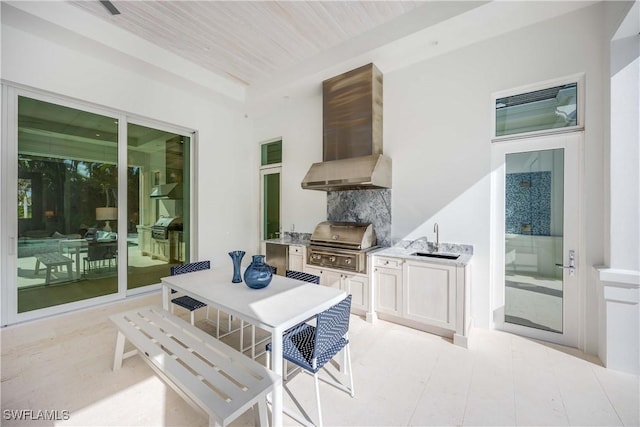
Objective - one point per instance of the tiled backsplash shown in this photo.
(370, 206)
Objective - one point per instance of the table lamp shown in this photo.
(106, 214)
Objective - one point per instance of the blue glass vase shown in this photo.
(258, 275)
(236, 257)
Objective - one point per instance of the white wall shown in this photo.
(38, 54)
(437, 125)
(619, 345)
(299, 123)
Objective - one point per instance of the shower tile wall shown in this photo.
(528, 203)
(372, 206)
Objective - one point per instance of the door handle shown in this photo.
(572, 263)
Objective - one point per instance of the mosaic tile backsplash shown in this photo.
(371, 206)
(528, 203)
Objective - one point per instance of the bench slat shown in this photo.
(135, 324)
(228, 358)
(211, 374)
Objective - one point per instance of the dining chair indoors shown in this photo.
(311, 347)
(186, 301)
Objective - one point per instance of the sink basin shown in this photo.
(436, 255)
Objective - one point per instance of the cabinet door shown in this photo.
(430, 293)
(358, 287)
(327, 277)
(388, 290)
(296, 258)
(330, 278)
(295, 262)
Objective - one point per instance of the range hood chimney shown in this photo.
(352, 134)
(167, 191)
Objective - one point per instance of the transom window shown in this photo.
(545, 110)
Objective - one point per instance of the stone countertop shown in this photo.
(292, 239)
(406, 248)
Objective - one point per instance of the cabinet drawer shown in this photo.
(388, 262)
(295, 250)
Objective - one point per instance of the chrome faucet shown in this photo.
(435, 229)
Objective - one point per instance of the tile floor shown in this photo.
(403, 377)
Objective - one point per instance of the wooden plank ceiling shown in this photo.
(249, 41)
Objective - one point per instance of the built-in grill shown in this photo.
(160, 230)
(341, 245)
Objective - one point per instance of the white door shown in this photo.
(536, 237)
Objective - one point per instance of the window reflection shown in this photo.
(159, 216)
(68, 205)
(67, 177)
(550, 108)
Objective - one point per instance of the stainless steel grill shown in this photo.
(341, 245)
(160, 230)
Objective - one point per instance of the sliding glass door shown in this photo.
(97, 204)
(67, 242)
(158, 192)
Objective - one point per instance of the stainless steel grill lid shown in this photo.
(160, 230)
(346, 235)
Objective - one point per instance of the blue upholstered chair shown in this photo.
(311, 347)
(311, 278)
(185, 301)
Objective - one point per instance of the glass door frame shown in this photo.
(573, 294)
(264, 171)
(8, 208)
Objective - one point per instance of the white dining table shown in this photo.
(281, 305)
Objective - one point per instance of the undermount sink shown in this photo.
(436, 255)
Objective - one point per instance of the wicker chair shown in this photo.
(311, 347)
(186, 301)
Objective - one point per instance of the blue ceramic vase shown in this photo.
(258, 275)
(236, 257)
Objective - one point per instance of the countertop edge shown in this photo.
(396, 252)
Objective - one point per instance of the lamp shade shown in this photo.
(106, 214)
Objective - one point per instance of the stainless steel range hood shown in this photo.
(355, 173)
(352, 134)
(167, 191)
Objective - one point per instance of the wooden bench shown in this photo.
(207, 373)
(52, 261)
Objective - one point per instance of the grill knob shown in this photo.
(347, 261)
(332, 259)
(315, 256)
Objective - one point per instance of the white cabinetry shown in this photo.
(430, 293)
(358, 286)
(296, 257)
(355, 284)
(144, 239)
(387, 273)
(430, 296)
